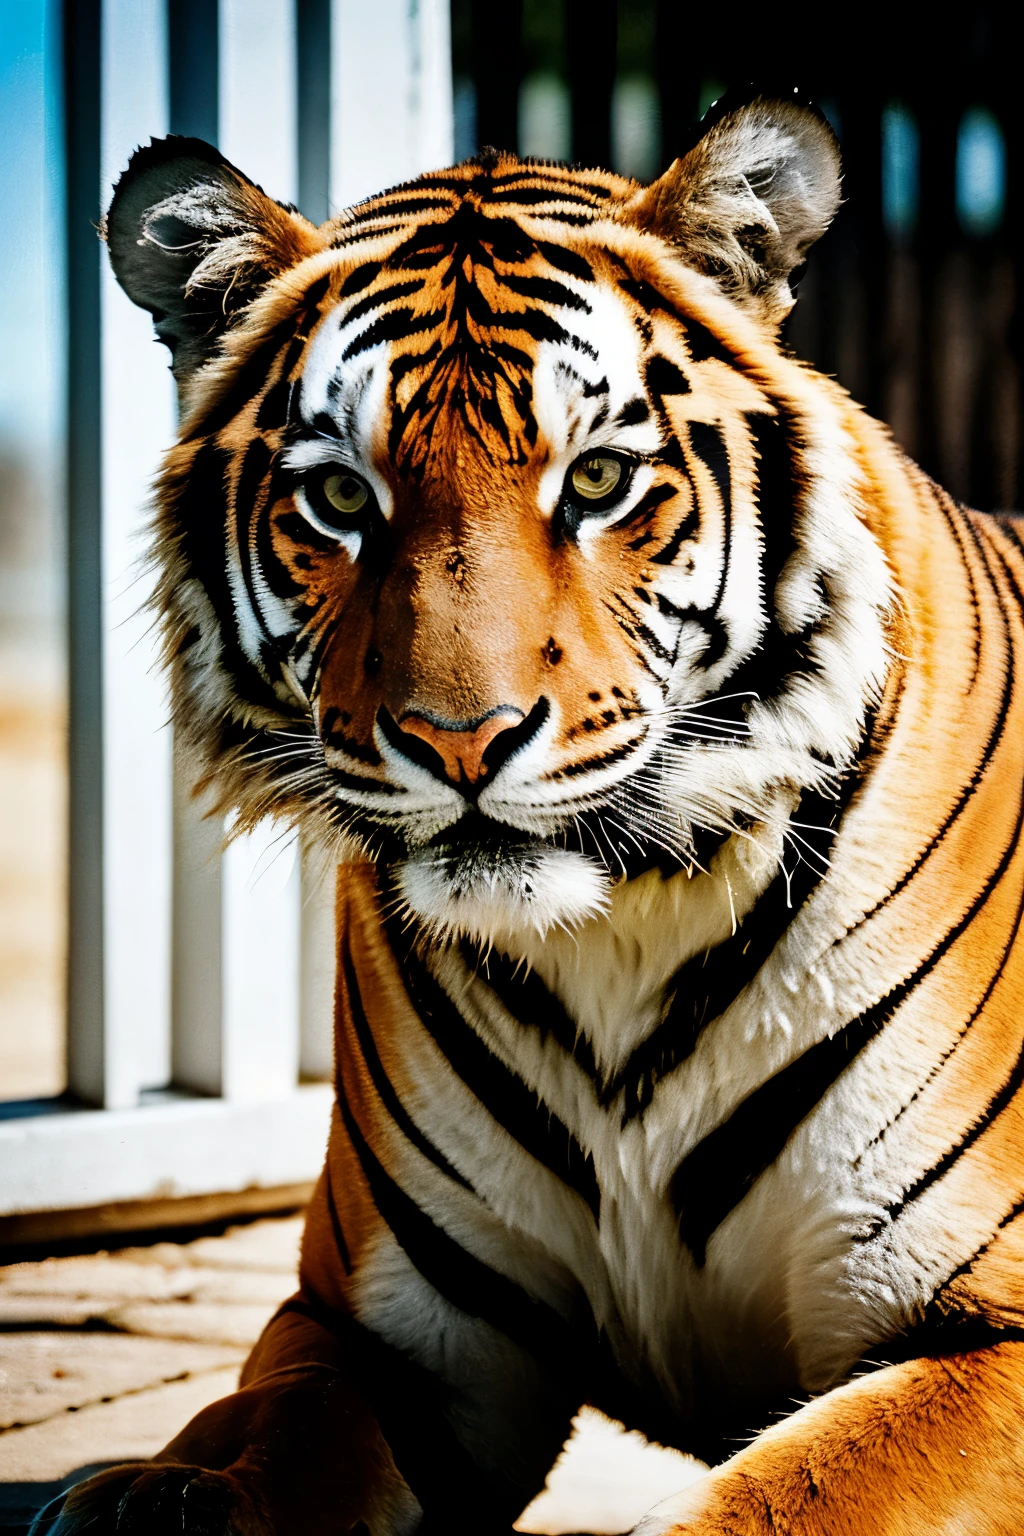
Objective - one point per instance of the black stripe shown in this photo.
(664, 378)
(1015, 1079)
(633, 412)
(1010, 524)
(702, 344)
(954, 518)
(995, 1106)
(356, 231)
(385, 1089)
(199, 503)
(715, 1176)
(543, 173)
(709, 983)
(415, 204)
(382, 296)
(252, 374)
(255, 465)
(965, 1268)
(649, 503)
(530, 196)
(600, 760)
(566, 261)
(544, 289)
(708, 444)
(273, 412)
(362, 782)
(397, 325)
(504, 1095)
(522, 994)
(272, 568)
(633, 625)
(780, 655)
(466, 1282)
(361, 277)
(685, 531)
(968, 791)
(301, 531)
(332, 1210)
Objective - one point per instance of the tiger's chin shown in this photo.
(488, 892)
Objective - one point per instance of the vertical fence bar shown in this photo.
(318, 953)
(197, 1057)
(137, 425)
(861, 116)
(679, 56)
(197, 981)
(86, 1055)
(496, 57)
(316, 878)
(257, 127)
(313, 48)
(936, 239)
(194, 44)
(592, 26)
(260, 927)
(259, 873)
(379, 137)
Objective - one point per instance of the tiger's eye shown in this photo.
(346, 493)
(596, 477)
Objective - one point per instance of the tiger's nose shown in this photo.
(461, 744)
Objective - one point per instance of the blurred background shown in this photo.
(914, 300)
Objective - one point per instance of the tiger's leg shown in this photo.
(927, 1446)
(312, 1443)
(297, 1449)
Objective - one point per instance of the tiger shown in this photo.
(665, 724)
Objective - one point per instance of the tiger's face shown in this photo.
(492, 542)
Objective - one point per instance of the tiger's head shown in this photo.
(503, 543)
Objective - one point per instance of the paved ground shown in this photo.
(103, 1358)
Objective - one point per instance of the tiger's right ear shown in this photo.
(193, 241)
(749, 200)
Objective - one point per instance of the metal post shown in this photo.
(85, 629)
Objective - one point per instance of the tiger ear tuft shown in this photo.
(193, 241)
(749, 200)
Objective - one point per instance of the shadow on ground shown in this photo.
(21, 1502)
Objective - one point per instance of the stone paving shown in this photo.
(104, 1357)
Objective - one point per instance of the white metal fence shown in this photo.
(200, 983)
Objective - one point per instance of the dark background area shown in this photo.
(914, 299)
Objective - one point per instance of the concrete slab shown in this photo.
(98, 1276)
(209, 1322)
(269, 1245)
(46, 1374)
(106, 1392)
(131, 1428)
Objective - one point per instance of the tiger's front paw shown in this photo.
(154, 1501)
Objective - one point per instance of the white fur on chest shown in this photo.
(773, 1305)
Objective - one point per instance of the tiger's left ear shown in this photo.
(194, 241)
(748, 201)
